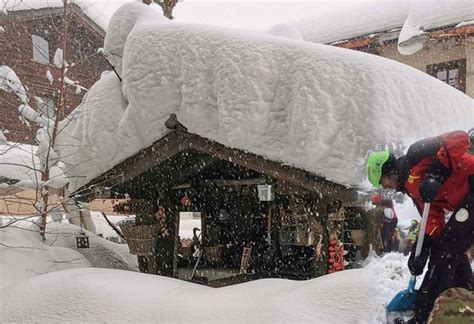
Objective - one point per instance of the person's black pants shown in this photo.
(443, 272)
(449, 266)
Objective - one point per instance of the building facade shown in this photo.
(447, 54)
(32, 46)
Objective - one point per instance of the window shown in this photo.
(40, 49)
(47, 107)
(452, 73)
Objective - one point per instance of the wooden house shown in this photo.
(287, 218)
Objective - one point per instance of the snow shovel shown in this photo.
(401, 306)
(194, 278)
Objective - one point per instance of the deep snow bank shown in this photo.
(313, 106)
(353, 296)
(24, 255)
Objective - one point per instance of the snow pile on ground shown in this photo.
(103, 228)
(313, 106)
(24, 255)
(187, 222)
(352, 296)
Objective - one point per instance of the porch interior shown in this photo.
(232, 218)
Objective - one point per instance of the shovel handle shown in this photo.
(421, 233)
(419, 242)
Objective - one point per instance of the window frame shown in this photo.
(40, 47)
(45, 107)
(460, 65)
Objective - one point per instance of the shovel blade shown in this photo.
(399, 317)
(403, 301)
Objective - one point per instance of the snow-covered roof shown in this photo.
(424, 16)
(316, 107)
(357, 19)
(99, 11)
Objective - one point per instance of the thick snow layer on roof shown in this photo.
(316, 107)
(426, 15)
(99, 11)
(362, 19)
(354, 20)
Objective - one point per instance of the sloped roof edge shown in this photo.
(178, 141)
(41, 12)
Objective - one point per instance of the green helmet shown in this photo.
(375, 163)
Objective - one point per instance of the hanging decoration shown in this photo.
(186, 201)
(336, 254)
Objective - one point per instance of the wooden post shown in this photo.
(144, 210)
(269, 224)
(176, 245)
(167, 245)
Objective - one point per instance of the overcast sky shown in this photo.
(243, 14)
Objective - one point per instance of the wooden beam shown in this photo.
(276, 170)
(453, 32)
(182, 186)
(141, 162)
(357, 43)
(240, 182)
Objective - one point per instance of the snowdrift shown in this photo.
(354, 296)
(312, 106)
(24, 255)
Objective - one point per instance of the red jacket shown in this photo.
(452, 154)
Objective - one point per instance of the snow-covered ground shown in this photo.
(24, 255)
(57, 282)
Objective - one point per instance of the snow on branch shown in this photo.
(10, 82)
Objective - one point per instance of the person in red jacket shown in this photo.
(438, 170)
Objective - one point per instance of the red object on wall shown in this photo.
(336, 254)
(186, 201)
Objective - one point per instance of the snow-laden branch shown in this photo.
(10, 82)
